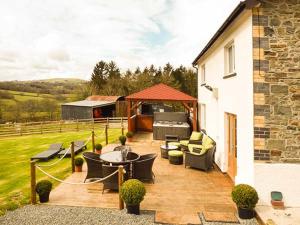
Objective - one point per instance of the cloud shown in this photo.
(61, 38)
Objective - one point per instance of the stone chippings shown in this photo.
(52, 215)
(281, 86)
(61, 215)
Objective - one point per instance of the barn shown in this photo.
(94, 107)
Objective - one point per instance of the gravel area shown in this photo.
(58, 215)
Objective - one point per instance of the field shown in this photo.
(15, 154)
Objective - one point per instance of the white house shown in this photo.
(249, 93)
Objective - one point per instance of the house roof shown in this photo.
(88, 103)
(103, 98)
(236, 12)
(161, 92)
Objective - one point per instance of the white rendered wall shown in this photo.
(283, 177)
(235, 95)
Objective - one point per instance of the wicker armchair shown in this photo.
(200, 161)
(94, 165)
(142, 169)
(112, 182)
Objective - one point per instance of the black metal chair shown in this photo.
(94, 165)
(112, 182)
(142, 168)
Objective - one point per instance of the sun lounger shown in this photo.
(78, 147)
(52, 151)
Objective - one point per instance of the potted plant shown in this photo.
(43, 188)
(122, 139)
(78, 164)
(133, 192)
(129, 136)
(98, 148)
(245, 198)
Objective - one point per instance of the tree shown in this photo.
(99, 77)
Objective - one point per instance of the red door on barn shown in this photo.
(97, 113)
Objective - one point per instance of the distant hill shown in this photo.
(48, 86)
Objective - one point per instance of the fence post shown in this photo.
(33, 181)
(42, 127)
(106, 134)
(60, 126)
(120, 179)
(77, 126)
(122, 129)
(93, 141)
(72, 157)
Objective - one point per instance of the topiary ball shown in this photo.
(244, 196)
(129, 134)
(98, 146)
(122, 139)
(43, 186)
(132, 192)
(78, 161)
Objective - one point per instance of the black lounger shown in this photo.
(52, 151)
(78, 147)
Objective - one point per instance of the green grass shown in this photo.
(15, 154)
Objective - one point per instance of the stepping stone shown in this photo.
(177, 218)
(226, 217)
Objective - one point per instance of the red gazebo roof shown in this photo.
(161, 92)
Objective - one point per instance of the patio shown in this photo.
(178, 195)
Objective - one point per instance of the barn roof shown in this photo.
(104, 98)
(161, 92)
(88, 103)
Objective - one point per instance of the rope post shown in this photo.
(120, 182)
(93, 140)
(72, 157)
(33, 181)
(122, 129)
(106, 134)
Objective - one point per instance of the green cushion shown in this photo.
(174, 143)
(207, 142)
(191, 146)
(184, 142)
(196, 136)
(175, 153)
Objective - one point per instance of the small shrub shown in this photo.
(122, 139)
(98, 146)
(244, 196)
(133, 192)
(129, 134)
(43, 186)
(78, 161)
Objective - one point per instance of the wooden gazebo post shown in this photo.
(129, 115)
(194, 116)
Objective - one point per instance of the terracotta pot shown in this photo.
(78, 168)
(130, 139)
(98, 151)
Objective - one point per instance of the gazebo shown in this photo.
(158, 93)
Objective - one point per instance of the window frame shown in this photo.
(229, 60)
(202, 74)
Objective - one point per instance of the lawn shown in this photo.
(15, 154)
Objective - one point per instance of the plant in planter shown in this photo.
(245, 198)
(43, 188)
(78, 164)
(129, 136)
(98, 148)
(122, 139)
(133, 192)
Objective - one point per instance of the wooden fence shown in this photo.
(19, 129)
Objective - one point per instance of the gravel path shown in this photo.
(60, 215)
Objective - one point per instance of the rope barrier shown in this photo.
(57, 161)
(74, 183)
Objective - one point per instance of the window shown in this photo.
(229, 59)
(202, 116)
(202, 75)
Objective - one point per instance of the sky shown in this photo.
(66, 38)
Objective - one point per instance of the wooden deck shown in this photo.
(178, 195)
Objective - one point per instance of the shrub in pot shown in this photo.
(133, 192)
(43, 189)
(78, 164)
(98, 148)
(129, 136)
(245, 198)
(122, 139)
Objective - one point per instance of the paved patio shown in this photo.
(178, 195)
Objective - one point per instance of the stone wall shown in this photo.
(276, 78)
